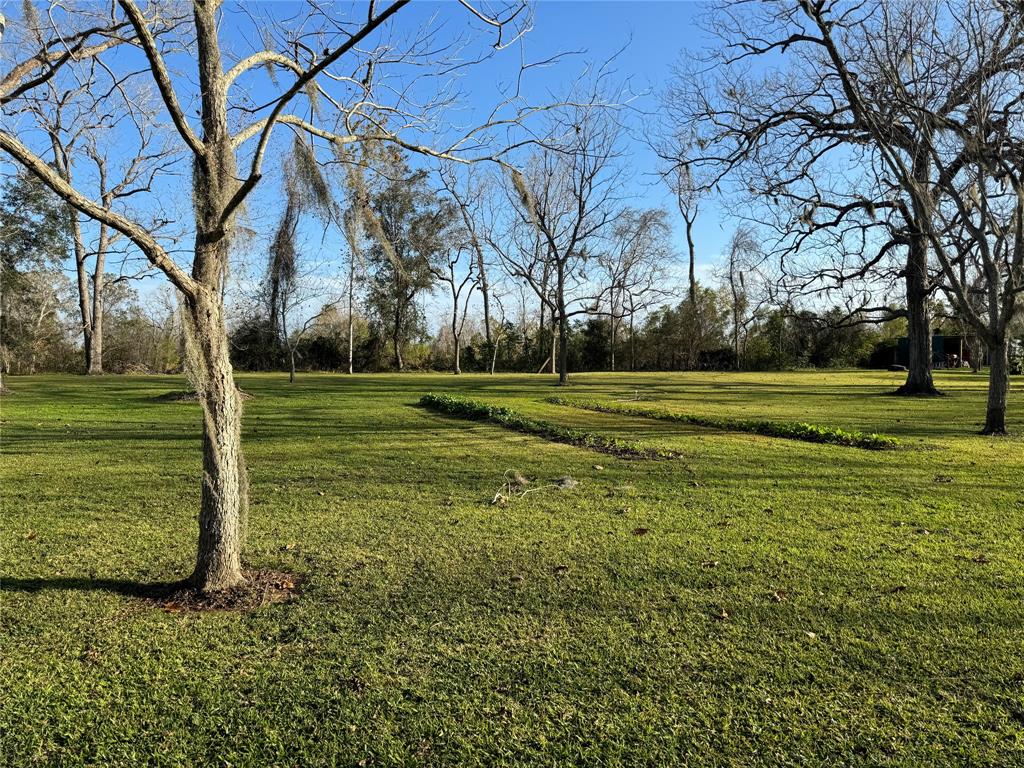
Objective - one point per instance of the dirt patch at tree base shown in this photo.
(261, 588)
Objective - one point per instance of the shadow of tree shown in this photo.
(125, 587)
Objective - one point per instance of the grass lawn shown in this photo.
(757, 601)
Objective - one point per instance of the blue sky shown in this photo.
(646, 36)
(645, 39)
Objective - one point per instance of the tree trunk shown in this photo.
(96, 337)
(977, 348)
(612, 345)
(225, 484)
(919, 337)
(632, 344)
(998, 387)
(225, 489)
(563, 333)
(693, 262)
(351, 323)
(291, 365)
(494, 356)
(457, 370)
(485, 290)
(563, 352)
(553, 359)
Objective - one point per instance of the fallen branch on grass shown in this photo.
(475, 410)
(792, 430)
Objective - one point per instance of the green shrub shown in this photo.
(475, 410)
(792, 430)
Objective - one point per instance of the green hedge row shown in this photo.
(792, 430)
(475, 410)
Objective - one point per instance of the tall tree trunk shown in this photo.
(632, 344)
(977, 348)
(563, 332)
(396, 341)
(225, 484)
(998, 387)
(96, 340)
(485, 290)
(291, 364)
(81, 272)
(457, 370)
(612, 346)
(919, 338)
(351, 322)
(693, 262)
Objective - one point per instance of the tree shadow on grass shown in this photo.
(145, 590)
(261, 587)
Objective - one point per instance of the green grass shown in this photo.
(438, 629)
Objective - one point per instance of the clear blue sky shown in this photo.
(647, 36)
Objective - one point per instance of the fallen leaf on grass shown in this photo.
(943, 479)
(31, 535)
(778, 596)
(710, 564)
(723, 615)
(639, 531)
(810, 634)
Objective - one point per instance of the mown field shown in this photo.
(756, 601)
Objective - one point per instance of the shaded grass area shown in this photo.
(466, 408)
(873, 599)
(792, 430)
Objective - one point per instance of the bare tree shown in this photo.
(970, 206)
(328, 61)
(468, 197)
(633, 267)
(460, 275)
(568, 195)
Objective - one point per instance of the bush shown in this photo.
(475, 410)
(792, 430)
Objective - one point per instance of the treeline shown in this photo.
(666, 340)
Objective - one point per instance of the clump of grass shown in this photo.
(476, 410)
(792, 430)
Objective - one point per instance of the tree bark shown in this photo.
(96, 337)
(563, 333)
(351, 324)
(998, 387)
(919, 338)
(225, 484)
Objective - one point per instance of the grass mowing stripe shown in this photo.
(464, 407)
(793, 430)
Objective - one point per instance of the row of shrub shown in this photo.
(475, 410)
(792, 430)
